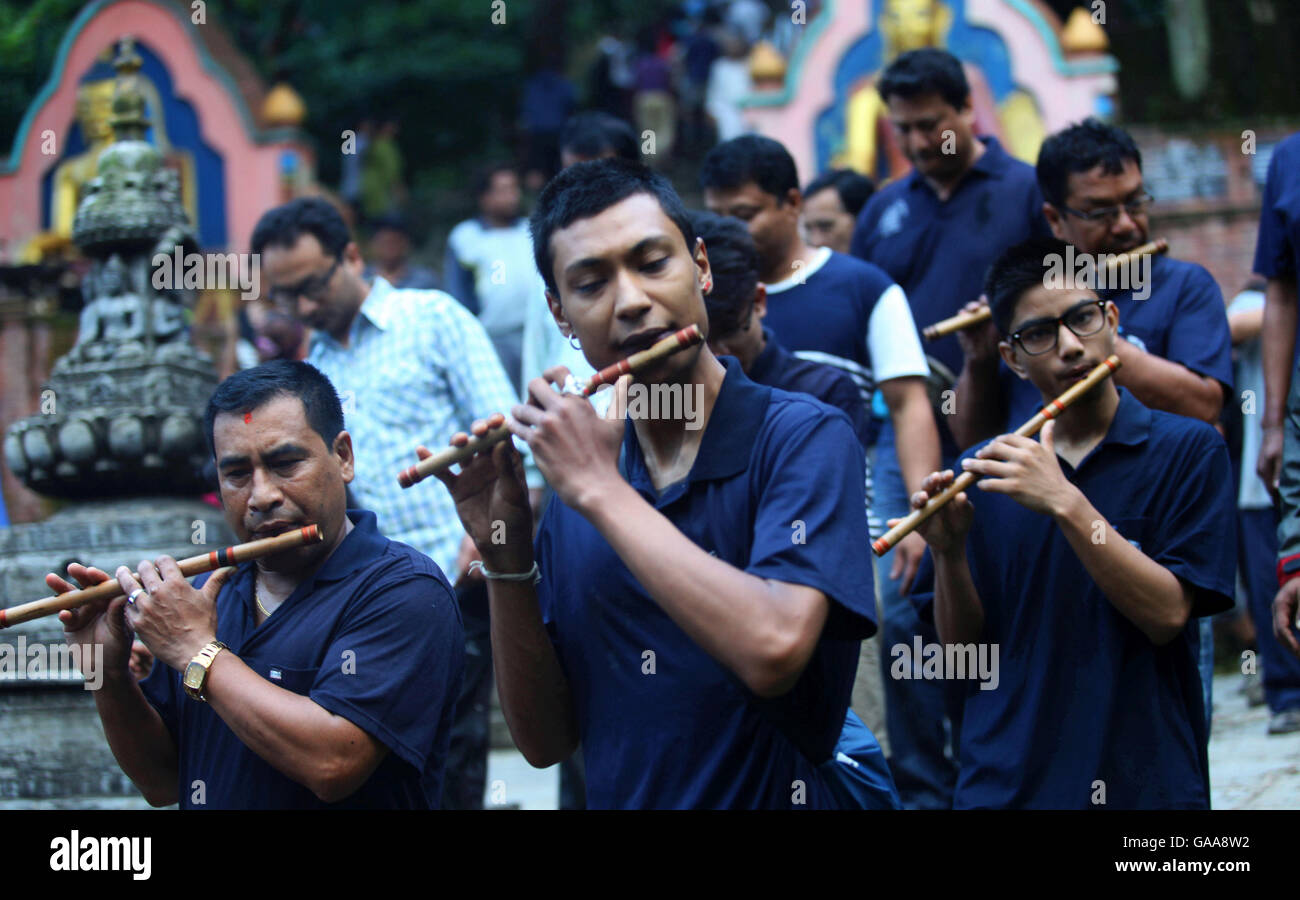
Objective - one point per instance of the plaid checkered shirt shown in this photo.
(418, 368)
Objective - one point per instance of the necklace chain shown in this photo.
(257, 598)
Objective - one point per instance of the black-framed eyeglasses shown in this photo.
(1109, 215)
(1041, 335)
(312, 287)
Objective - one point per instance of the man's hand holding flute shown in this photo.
(577, 451)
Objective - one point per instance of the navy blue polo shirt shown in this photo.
(374, 636)
(779, 368)
(776, 490)
(939, 250)
(1184, 320)
(1082, 694)
(1277, 253)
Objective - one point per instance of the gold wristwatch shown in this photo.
(196, 673)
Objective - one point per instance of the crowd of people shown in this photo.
(680, 609)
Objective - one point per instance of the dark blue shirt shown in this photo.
(374, 636)
(775, 490)
(939, 250)
(1184, 320)
(1083, 695)
(1277, 253)
(779, 368)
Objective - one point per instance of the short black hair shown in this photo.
(733, 262)
(248, 389)
(593, 134)
(1017, 270)
(1080, 148)
(750, 157)
(854, 188)
(283, 225)
(926, 71)
(587, 189)
(482, 182)
(391, 221)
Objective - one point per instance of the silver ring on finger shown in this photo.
(135, 593)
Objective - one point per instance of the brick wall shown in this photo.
(1208, 189)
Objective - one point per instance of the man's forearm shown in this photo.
(1278, 345)
(322, 751)
(1170, 386)
(916, 435)
(1142, 590)
(535, 697)
(139, 738)
(741, 620)
(978, 411)
(958, 612)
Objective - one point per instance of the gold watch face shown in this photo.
(194, 673)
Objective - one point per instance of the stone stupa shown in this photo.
(119, 439)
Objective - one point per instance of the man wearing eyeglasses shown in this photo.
(1178, 352)
(1087, 556)
(411, 367)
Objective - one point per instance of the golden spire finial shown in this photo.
(128, 120)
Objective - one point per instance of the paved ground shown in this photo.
(1248, 768)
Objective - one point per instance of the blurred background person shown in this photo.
(390, 256)
(831, 203)
(654, 104)
(729, 83)
(1256, 519)
(549, 99)
(489, 266)
(749, 18)
(596, 135)
(609, 81)
(700, 52)
(382, 166)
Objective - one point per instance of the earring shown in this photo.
(573, 342)
(708, 285)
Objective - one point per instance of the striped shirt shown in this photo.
(418, 368)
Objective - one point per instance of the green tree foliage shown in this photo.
(450, 74)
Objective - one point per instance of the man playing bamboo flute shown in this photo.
(318, 677)
(1085, 559)
(692, 607)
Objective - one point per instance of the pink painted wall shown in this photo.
(1061, 100)
(792, 124)
(251, 169)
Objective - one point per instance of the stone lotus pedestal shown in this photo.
(52, 748)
